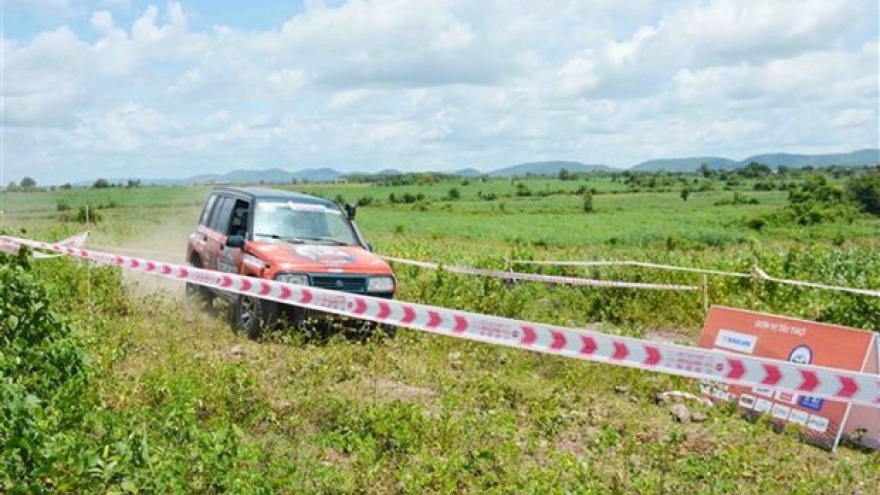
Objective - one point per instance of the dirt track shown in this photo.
(166, 243)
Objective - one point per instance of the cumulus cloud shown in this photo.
(365, 85)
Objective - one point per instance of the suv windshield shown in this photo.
(302, 222)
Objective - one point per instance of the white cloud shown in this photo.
(623, 52)
(122, 129)
(391, 43)
(44, 79)
(452, 83)
(813, 78)
(577, 76)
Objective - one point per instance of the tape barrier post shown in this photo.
(701, 364)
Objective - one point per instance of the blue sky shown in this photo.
(141, 89)
(26, 18)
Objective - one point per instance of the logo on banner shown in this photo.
(735, 341)
(801, 355)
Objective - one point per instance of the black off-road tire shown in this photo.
(253, 316)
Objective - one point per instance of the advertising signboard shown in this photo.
(806, 342)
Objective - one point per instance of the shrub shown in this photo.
(756, 223)
(44, 384)
(587, 203)
(864, 190)
(86, 213)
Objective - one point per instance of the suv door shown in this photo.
(218, 227)
(197, 248)
(230, 258)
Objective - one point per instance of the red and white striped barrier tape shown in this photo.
(703, 364)
(534, 277)
(757, 272)
(642, 264)
(11, 247)
(865, 292)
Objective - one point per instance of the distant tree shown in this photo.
(12, 186)
(101, 184)
(685, 192)
(564, 174)
(28, 183)
(782, 169)
(754, 170)
(454, 194)
(133, 183)
(705, 170)
(522, 189)
(67, 185)
(587, 204)
(865, 191)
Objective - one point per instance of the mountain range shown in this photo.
(870, 156)
(862, 157)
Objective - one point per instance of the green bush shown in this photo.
(44, 385)
(864, 190)
(56, 433)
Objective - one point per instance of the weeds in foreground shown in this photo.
(120, 397)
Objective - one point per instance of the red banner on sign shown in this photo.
(789, 339)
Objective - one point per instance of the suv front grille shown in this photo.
(345, 284)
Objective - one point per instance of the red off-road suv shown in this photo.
(283, 236)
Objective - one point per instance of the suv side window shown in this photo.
(240, 216)
(222, 215)
(206, 212)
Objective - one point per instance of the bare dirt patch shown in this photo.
(167, 242)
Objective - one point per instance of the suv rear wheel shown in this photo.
(253, 315)
(201, 295)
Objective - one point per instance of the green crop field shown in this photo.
(116, 384)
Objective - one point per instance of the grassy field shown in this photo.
(159, 397)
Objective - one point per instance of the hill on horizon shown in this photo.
(548, 168)
(868, 156)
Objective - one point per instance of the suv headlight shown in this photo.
(293, 278)
(380, 284)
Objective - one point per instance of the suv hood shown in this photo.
(318, 258)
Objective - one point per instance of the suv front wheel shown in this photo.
(253, 315)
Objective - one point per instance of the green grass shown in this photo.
(175, 402)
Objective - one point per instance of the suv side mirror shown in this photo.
(350, 210)
(235, 241)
